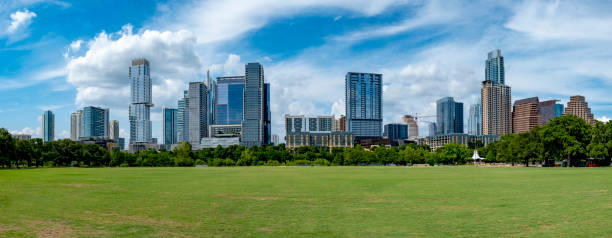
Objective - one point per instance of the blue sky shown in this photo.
(63, 55)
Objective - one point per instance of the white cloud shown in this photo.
(604, 119)
(100, 73)
(75, 46)
(29, 131)
(63, 135)
(216, 21)
(20, 20)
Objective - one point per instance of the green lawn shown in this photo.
(306, 202)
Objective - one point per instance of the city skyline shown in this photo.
(301, 81)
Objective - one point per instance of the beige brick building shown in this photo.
(579, 107)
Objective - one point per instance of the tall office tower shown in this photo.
(412, 126)
(76, 125)
(48, 126)
(267, 121)
(475, 118)
(579, 107)
(114, 130)
(449, 118)
(95, 122)
(140, 108)
(229, 100)
(169, 125)
(254, 106)
(363, 97)
(559, 110)
(526, 115)
(396, 131)
(198, 122)
(182, 129)
(432, 129)
(211, 86)
(496, 97)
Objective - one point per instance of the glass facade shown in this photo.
(169, 125)
(396, 131)
(48, 126)
(475, 118)
(363, 96)
(95, 122)
(267, 121)
(229, 100)
(198, 122)
(495, 67)
(449, 117)
(559, 110)
(253, 117)
(182, 129)
(140, 108)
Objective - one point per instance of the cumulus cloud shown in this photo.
(604, 119)
(29, 131)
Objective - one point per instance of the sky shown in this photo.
(64, 55)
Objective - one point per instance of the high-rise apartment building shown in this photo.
(530, 112)
(48, 126)
(411, 126)
(449, 117)
(363, 97)
(95, 122)
(253, 127)
(198, 122)
(339, 124)
(182, 129)
(578, 106)
(229, 100)
(475, 118)
(76, 125)
(496, 97)
(140, 108)
(114, 130)
(169, 125)
(299, 123)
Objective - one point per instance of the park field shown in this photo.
(306, 202)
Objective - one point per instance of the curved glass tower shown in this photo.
(140, 109)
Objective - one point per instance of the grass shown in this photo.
(306, 202)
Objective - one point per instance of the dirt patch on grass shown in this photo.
(258, 198)
(143, 220)
(4, 228)
(45, 229)
(75, 185)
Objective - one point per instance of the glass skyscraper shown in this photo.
(494, 70)
(76, 125)
(182, 129)
(95, 122)
(140, 109)
(475, 118)
(559, 110)
(395, 131)
(170, 125)
(267, 121)
(48, 126)
(449, 116)
(363, 96)
(198, 112)
(229, 100)
(254, 106)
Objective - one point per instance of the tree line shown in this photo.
(567, 138)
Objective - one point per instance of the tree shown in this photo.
(567, 137)
(7, 148)
(475, 144)
(453, 153)
(600, 146)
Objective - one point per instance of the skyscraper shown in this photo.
(48, 126)
(363, 97)
(229, 100)
(496, 97)
(475, 118)
(559, 110)
(449, 118)
(169, 125)
(531, 112)
(182, 129)
(396, 131)
(114, 130)
(411, 125)
(578, 106)
(254, 106)
(211, 86)
(76, 125)
(432, 129)
(95, 122)
(267, 121)
(198, 121)
(140, 108)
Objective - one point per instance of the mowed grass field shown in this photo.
(306, 202)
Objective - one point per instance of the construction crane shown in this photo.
(426, 116)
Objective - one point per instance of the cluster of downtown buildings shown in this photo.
(235, 110)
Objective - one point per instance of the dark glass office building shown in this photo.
(449, 117)
(396, 131)
(95, 122)
(254, 106)
(170, 125)
(229, 100)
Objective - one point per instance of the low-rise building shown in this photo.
(328, 139)
(435, 142)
